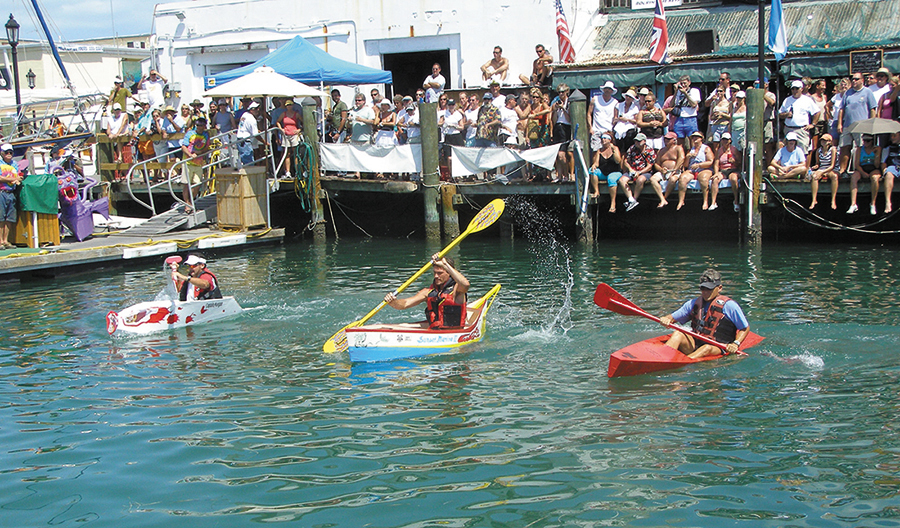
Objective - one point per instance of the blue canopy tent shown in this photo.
(304, 62)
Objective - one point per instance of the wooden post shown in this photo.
(104, 158)
(756, 106)
(451, 218)
(578, 116)
(431, 177)
(312, 136)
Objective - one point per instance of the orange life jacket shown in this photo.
(442, 310)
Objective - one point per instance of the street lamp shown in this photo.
(12, 36)
(31, 76)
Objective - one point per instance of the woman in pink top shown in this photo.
(889, 100)
(727, 163)
(290, 124)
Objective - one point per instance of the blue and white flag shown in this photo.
(777, 33)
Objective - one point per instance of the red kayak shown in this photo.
(652, 355)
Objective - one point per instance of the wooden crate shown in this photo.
(241, 198)
(48, 229)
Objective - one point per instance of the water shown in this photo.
(247, 421)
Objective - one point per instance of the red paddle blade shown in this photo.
(606, 297)
(174, 259)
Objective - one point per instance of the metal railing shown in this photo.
(226, 153)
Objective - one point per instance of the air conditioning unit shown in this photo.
(701, 42)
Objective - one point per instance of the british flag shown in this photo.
(566, 51)
(659, 38)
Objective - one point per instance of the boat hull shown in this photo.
(157, 316)
(652, 355)
(387, 342)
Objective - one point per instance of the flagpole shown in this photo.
(762, 45)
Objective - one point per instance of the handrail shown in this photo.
(173, 173)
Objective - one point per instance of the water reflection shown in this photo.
(247, 420)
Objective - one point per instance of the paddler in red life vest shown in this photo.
(445, 299)
(199, 285)
(711, 314)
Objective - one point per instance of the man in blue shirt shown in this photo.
(858, 104)
(712, 315)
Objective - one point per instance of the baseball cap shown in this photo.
(487, 95)
(671, 135)
(117, 106)
(742, 94)
(790, 136)
(118, 79)
(253, 105)
(726, 135)
(640, 137)
(709, 279)
(6, 146)
(194, 259)
(797, 84)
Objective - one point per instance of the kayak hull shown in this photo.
(158, 316)
(396, 341)
(652, 355)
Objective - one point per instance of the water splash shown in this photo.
(553, 262)
(168, 293)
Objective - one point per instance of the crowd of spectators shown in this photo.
(692, 135)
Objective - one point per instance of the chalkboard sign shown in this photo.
(866, 61)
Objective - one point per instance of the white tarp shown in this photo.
(346, 157)
(470, 160)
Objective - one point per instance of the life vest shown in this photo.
(714, 324)
(212, 292)
(441, 309)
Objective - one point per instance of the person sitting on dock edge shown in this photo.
(711, 314)
(445, 299)
(199, 284)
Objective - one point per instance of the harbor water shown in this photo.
(247, 421)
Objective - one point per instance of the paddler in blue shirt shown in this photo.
(445, 299)
(711, 314)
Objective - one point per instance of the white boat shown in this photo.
(157, 316)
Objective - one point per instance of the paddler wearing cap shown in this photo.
(199, 284)
(711, 314)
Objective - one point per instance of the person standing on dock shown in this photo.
(445, 298)
(155, 85)
(9, 178)
(711, 314)
(194, 147)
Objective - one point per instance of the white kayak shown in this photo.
(157, 316)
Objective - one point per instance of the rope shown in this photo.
(331, 213)
(351, 220)
(182, 244)
(824, 223)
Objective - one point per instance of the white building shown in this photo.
(205, 37)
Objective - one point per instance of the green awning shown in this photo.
(817, 67)
(821, 66)
(587, 79)
(708, 72)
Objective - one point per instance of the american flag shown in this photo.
(659, 38)
(566, 52)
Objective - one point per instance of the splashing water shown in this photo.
(168, 293)
(552, 259)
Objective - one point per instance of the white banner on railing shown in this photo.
(470, 160)
(345, 157)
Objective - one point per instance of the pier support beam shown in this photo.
(751, 220)
(310, 130)
(582, 136)
(431, 178)
(448, 208)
